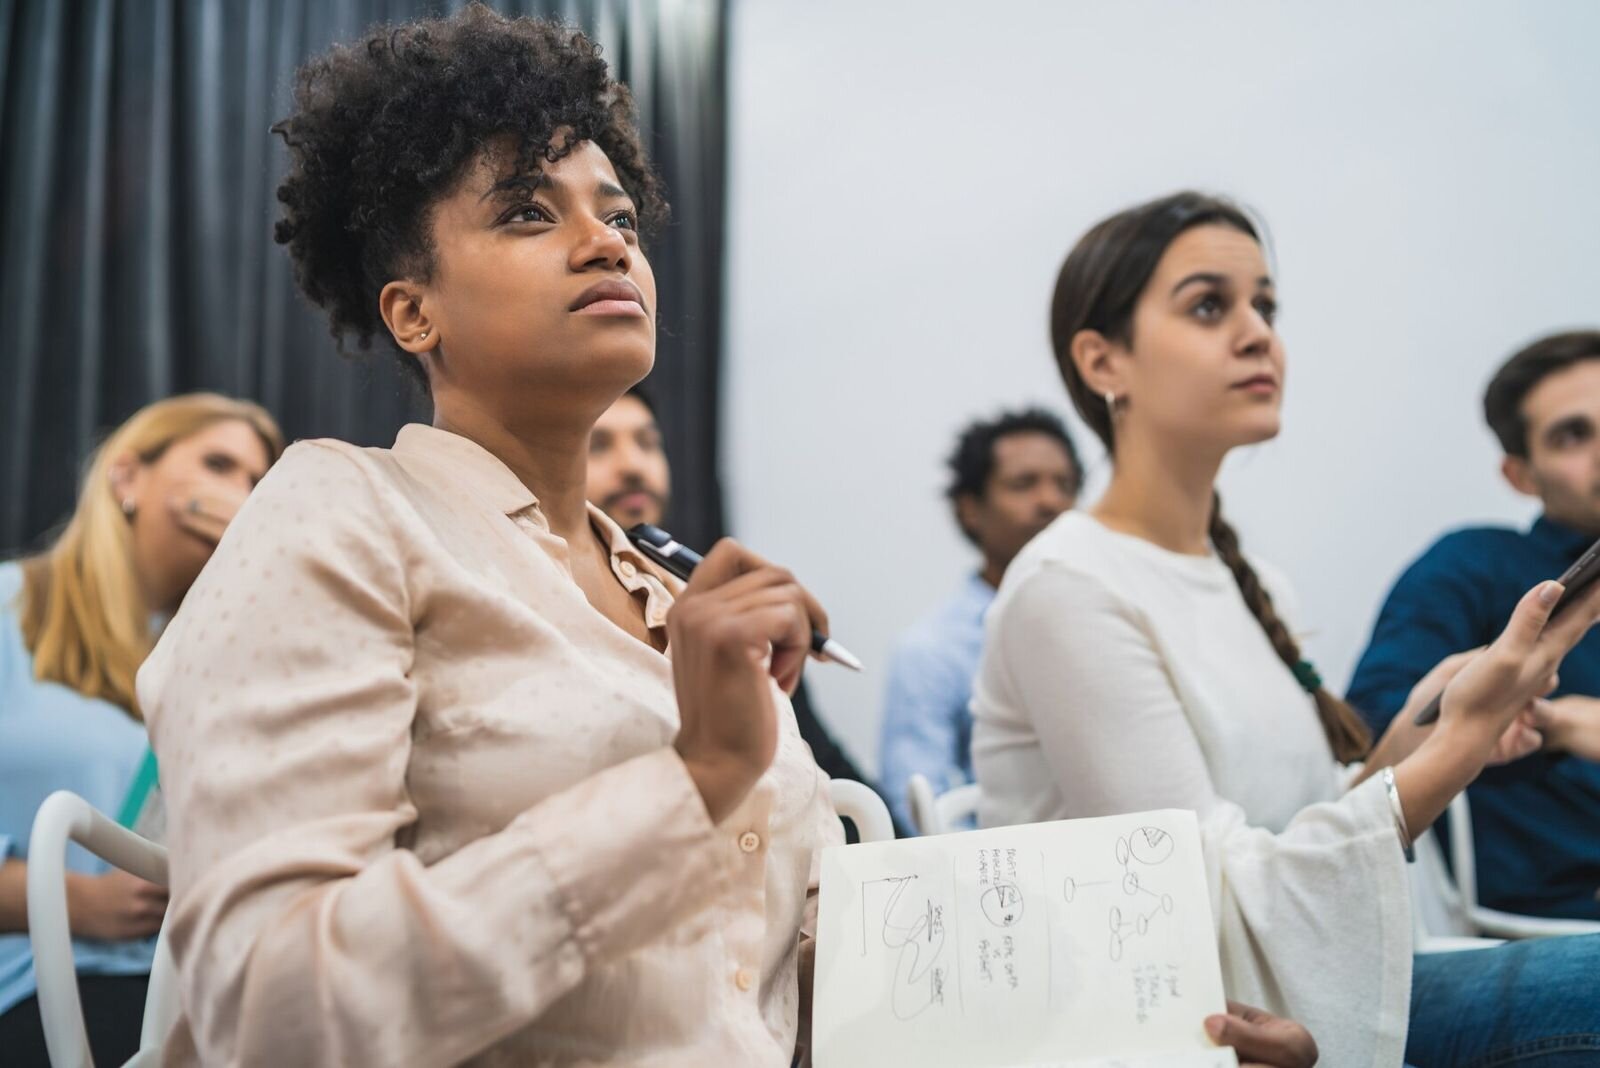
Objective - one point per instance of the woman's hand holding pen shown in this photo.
(740, 624)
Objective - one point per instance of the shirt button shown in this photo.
(749, 841)
(627, 569)
(743, 979)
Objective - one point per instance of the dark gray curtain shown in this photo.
(136, 255)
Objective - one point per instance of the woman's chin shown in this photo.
(1262, 434)
(1254, 431)
(622, 356)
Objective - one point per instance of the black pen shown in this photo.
(680, 560)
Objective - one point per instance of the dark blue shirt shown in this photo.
(1537, 821)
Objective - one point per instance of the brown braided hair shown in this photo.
(1098, 287)
(1347, 733)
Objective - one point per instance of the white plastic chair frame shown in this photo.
(65, 816)
(862, 805)
(1493, 922)
(1439, 921)
(935, 815)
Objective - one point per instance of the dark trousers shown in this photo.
(113, 1008)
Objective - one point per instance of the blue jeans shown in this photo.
(1533, 1004)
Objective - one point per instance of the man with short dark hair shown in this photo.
(629, 478)
(1536, 822)
(1010, 477)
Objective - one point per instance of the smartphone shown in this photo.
(1577, 578)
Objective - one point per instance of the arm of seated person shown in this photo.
(1570, 724)
(921, 727)
(1099, 699)
(13, 893)
(1436, 609)
(303, 933)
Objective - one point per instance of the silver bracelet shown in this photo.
(1399, 812)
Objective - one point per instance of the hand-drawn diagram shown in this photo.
(954, 951)
(1145, 847)
(917, 933)
(1002, 904)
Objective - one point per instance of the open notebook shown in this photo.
(1086, 943)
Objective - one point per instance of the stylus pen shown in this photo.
(681, 561)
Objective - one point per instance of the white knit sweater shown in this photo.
(1118, 676)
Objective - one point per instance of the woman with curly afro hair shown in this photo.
(437, 793)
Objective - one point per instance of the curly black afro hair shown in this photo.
(385, 128)
(972, 462)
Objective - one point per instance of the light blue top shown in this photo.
(54, 738)
(927, 718)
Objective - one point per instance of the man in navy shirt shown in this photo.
(1536, 822)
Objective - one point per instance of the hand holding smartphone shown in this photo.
(1574, 581)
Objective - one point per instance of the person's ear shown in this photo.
(1519, 473)
(967, 514)
(127, 477)
(403, 306)
(1095, 358)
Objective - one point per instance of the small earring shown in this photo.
(423, 336)
(128, 507)
(1111, 402)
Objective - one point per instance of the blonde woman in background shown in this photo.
(76, 621)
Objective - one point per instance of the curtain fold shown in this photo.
(136, 216)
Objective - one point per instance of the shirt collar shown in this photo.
(436, 454)
(443, 458)
(1566, 540)
(617, 540)
(978, 593)
(635, 572)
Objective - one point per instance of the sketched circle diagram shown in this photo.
(1002, 904)
(1147, 845)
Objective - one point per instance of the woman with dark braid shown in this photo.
(1136, 659)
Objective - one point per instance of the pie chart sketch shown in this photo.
(1150, 845)
(1002, 904)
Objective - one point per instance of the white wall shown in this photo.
(907, 176)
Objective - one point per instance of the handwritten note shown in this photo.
(1045, 944)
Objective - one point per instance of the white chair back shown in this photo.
(1493, 922)
(936, 815)
(958, 805)
(1439, 923)
(864, 808)
(160, 1001)
(67, 817)
(924, 806)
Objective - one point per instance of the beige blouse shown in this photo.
(424, 805)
